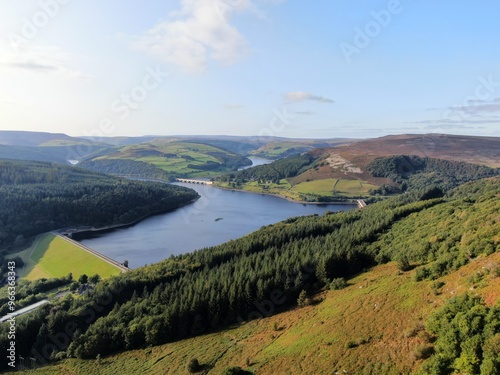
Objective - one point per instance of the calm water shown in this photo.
(218, 216)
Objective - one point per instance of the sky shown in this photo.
(286, 68)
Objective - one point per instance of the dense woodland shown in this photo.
(38, 197)
(268, 270)
(274, 172)
(126, 167)
(414, 172)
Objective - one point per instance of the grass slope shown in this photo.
(331, 186)
(374, 326)
(178, 158)
(51, 256)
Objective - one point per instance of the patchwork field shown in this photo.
(182, 158)
(332, 186)
(51, 256)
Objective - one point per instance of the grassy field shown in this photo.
(282, 189)
(324, 187)
(276, 150)
(374, 326)
(51, 256)
(172, 157)
(331, 186)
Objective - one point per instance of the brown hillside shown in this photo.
(350, 161)
(478, 150)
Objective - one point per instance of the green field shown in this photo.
(332, 186)
(176, 157)
(52, 256)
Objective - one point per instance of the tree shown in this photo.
(303, 301)
(94, 279)
(193, 365)
(83, 279)
(403, 263)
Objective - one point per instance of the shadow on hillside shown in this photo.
(32, 255)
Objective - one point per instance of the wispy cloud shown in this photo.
(298, 96)
(31, 65)
(306, 113)
(477, 123)
(478, 106)
(233, 106)
(201, 31)
(41, 60)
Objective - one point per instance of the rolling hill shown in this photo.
(371, 168)
(351, 161)
(407, 285)
(46, 147)
(177, 159)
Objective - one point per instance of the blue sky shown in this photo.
(290, 68)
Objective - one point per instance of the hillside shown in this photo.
(381, 321)
(287, 147)
(32, 139)
(351, 161)
(46, 147)
(382, 176)
(39, 197)
(176, 159)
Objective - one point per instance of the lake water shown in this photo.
(218, 216)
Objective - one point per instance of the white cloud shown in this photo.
(199, 32)
(298, 96)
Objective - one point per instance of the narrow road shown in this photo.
(24, 310)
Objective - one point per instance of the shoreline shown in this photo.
(353, 203)
(83, 231)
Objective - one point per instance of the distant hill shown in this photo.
(344, 172)
(351, 161)
(476, 150)
(175, 159)
(26, 138)
(46, 147)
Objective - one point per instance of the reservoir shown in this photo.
(218, 216)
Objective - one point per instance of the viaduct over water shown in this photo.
(191, 181)
(361, 203)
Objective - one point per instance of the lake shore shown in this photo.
(82, 232)
(350, 203)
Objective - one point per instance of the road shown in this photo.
(24, 310)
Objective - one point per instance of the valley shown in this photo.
(260, 284)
